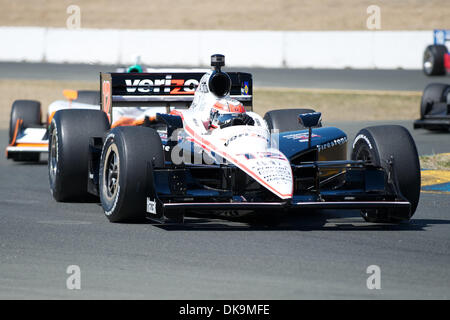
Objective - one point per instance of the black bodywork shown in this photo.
(437, 117)
(434, 107)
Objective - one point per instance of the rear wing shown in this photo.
(164, 89)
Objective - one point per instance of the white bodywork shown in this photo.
(30, 140)
(247, 147)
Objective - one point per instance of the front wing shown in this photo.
(437, 118)
(29, 140)
(433, 123)
(347, 185)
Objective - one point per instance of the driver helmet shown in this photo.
(225, 111)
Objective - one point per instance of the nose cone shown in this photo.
(273, 171)
(249, 149)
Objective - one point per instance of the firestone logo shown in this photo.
(166, 85)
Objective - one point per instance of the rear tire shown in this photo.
(377, 144)
(29, 111)
(433, 60)
(88, 97)
(69, 134)
(285, 120)
(123, 183)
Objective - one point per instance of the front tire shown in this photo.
(29, 111)
(377, 145)
(128, 153)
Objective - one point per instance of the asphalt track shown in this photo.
(311, 255)
(409, 80)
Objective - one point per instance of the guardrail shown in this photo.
(269, 49)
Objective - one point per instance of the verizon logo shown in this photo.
(166, 85)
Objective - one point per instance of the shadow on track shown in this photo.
(30, 164)
(308, 221)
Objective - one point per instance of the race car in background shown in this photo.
(165, 144)
(28, 136)
(435, 108)
(436, 60)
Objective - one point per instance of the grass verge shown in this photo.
(439, 161)
(342, 105)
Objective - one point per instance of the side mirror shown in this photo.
(309, 120)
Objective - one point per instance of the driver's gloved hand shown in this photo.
(242, 119)
(227, 123)
(247, 120)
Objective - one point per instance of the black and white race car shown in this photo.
(167, 144)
